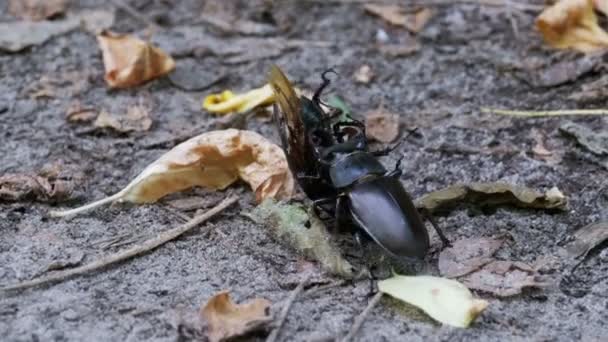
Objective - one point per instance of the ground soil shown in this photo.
(469, 57)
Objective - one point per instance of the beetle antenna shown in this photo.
(316, 98)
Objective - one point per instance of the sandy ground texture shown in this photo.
(467, 57)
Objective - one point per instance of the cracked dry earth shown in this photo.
(468, 58)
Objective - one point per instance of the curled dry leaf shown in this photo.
(18, 187)
(226, 319)
(399, 16)
(467, 255)
(215, 160)
(382, 125)
(137, 119)
(229, 102)
(130, 61)
(364, 74)
(572, 24)
(596, 143)
(289, 224)
(37, 9)
(492, 195)
(445, 300)
(587, 238)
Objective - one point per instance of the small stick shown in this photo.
(147, 246)
(526, 113)
(274, 335)
(136, 14)
(361, 318)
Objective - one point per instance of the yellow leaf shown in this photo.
(130, 61)
(445, 300)
(214, 160)
(572, 24)
(227, 102)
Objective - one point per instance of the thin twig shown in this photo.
(136, 14)
(147, 246)
(274, 335)
(361, 318)
(527, 113)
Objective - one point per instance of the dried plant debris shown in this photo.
(413, 21)
(137, 119)
(491, 195)
(130, 61)
(78, 113)
(596, 143)
(41, 187)
(572, 24)
(468, 255)
(19, 35)
(587, 238)
(445, 300)
(364, 74)
(382, 125)
(291, 224)
(229, 102)
(214, 160)
(37, 9)
(227, 320)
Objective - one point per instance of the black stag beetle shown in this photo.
(334, 166)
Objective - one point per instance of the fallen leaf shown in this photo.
(137, 119)
(596, 143)
(227, 320)
(19, 35)
(587, 238)
(228, 102)
(382, 125)
(77, 113)
(214, 160)
(572, 24)
(364, 74)
(304, 232)
(491, 195)
(468, 255)
(130, 61)
(18, 187)
(399, 16)
(37, 9)
(503, 278)
(445, 300)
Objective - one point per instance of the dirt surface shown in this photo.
(469, 57)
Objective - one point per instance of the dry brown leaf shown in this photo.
(77, 113)
(215, 160)
(399, 16)
(503, 278)
(130, 61)
(18, 187)
(382, 125)
(37, 9)
(572, 24)
(468, 255)
(227, 320)
(364, 74)
(137, 119)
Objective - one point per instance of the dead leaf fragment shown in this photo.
(572, 24)
(229, 102)
(491, 195)
(214, 160)
(503, 278)
(304, 232)
(18, 187)
(364, 74)
(137, 119)
(77, 113)
(382, 125)
(37, 9)
(227, 320)
(587, 238)
(596, 143)
(130, 61)
(468, 255)
(399, 16)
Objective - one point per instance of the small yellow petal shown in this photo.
(227, 102)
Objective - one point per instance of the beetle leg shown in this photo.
(317, 205)
(370, 274)
(397, 172)
(444, 240)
